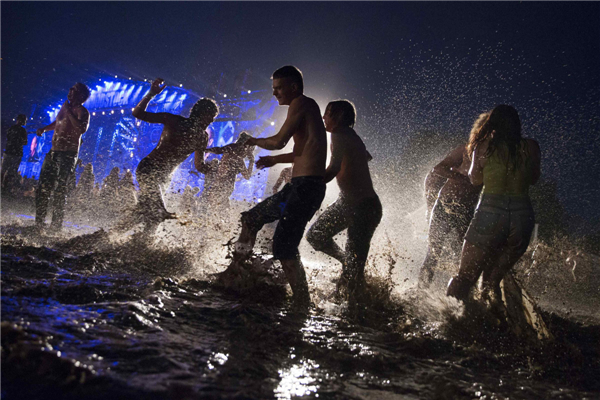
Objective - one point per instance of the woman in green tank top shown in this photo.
(500, 231)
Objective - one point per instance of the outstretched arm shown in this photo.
(46, 128)
(269, 161)
(294, 118)
(140, 110)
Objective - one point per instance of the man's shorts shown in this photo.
(502, 222)
(293, 206)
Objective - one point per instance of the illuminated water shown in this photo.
(99, 317)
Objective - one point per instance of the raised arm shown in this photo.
(337, 155)
(447, 167)
(292, 123)
(140, 112)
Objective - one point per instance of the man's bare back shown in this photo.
(457, 188)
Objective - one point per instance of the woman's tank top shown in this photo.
(501, 177)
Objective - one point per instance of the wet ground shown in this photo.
(99, 318)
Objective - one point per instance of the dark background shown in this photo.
(419, 73)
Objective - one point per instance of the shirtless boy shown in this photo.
(179, 139)
(70, 124)
(298, 201)
(357, 209)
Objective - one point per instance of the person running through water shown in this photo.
(506, 164)
(232, 163)
(454, 207)
(357, 208)
(71, 123)
(298, 201)
(16, 138)
(179, 139)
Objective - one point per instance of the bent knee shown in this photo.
(316, 239)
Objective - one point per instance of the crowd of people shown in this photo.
(477, 196)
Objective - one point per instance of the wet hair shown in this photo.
(21, 117)
(291, 72)
(204, 106)
(475, 130)
(505, 124)
(343, 112)
(83, 91)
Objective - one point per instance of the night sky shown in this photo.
(409, 67)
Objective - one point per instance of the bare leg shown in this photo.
(294, 272)
(473, 261)
(320, 235)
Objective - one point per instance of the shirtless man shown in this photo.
(16, 138)
(232, 163)
(179, 139)
(71, 123)
(454, 206)
(357, 209)
(298, 201)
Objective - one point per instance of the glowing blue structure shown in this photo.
(116, 139)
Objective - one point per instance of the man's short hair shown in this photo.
(83, 91)
(21, 117)
(291, 72)
(343, 112)
(204, 106)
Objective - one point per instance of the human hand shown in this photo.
(155, 88)
(265, 162)
(251, 141)
(39, 131)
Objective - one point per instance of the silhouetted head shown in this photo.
(78, 94)
(288, 84)
(339, 114)
(503, 126)
(21, 119)
(204, 112)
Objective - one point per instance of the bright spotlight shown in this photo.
(272, 123)
(103, 113)
(112, 111)
(122, 111)
(94, 113)
(224, 95)
(249, 91)
(115, 76)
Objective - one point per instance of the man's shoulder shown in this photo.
(305, 103)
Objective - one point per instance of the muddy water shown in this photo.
(96, 318)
